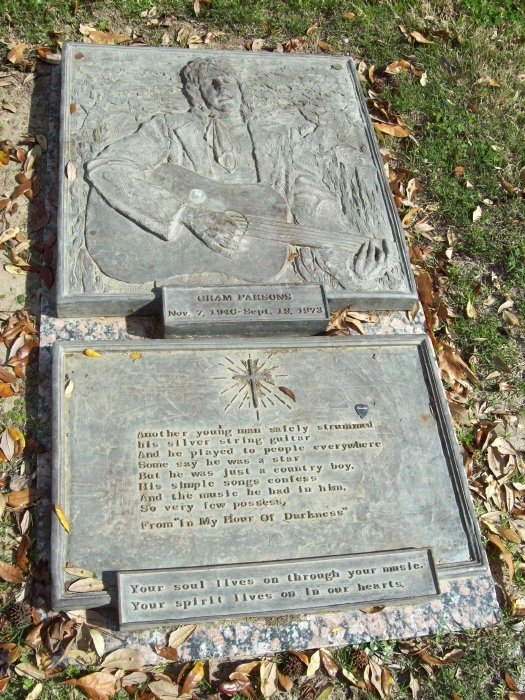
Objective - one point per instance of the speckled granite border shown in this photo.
(464, 603)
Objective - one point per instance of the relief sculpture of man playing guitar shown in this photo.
(220, 194)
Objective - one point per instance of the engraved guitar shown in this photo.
(259, 211)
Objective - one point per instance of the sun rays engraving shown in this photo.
(253, 384)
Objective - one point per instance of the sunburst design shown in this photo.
(253, 384)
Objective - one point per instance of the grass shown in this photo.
(458, 119)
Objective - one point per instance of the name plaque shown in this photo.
(241, 310)
(149, 598)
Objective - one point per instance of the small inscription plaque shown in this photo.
(242, 310)
(203, 593)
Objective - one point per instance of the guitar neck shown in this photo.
(298, 235)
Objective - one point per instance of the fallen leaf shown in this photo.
(21, 560)
(449, 658)
(392, 130)
(16, 55)
(324, 46)
(98, 641)
(180, 635)
(25, 497)
(516, 696)
(30, 671)
(35, 692)
(6, 390)
(257, 44)
(8, 106)
(476, 214)
(511, 683)
(167, 652)
(414, 686)
(313, 664)
(97, 686)
(165, 690)
(288, 392)
(243, 687)
(328, 662)
(397, 67)
(72, 108)
(325, 692)
(86, 585)
(62, 517)
(10, 573)
(420, 38)
(68, 389)
(470, 310)
(489, 81)
(91, 353)
(124, 659)
(71, 171)
(268, 674)
(135, 355)
(285, 682)
(349, 15)
(15, 270)
(79, 572)
(510, 318)
(193, 678)
(135, 678)
(452, 367)
(507, 556)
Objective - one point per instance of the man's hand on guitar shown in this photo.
(219, 231)
(371, 259)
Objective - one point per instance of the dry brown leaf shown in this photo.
(124, 659)
(387, 682)
(328, 662)
(288, 392)
(97, 686)
(449, 658)
(327, 48)
(268, 675)
(180, 635)
(420, 38)
(507, 556)
(511, 683)
(285, 682)
(16, 55)
(86, 585)
(510, 318)
(6, 390)
(313, 664)
(165, 690)
(23, 498)
(166, 652)
(10, 573)
(392, 130)
(9, 106)
(79, 572)
(508, 534)
(516, 696)
(349, 15)
(238, 686)
(301, 655)
(193, 678)
(397, 67)
(72, 108)
(452, 367)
